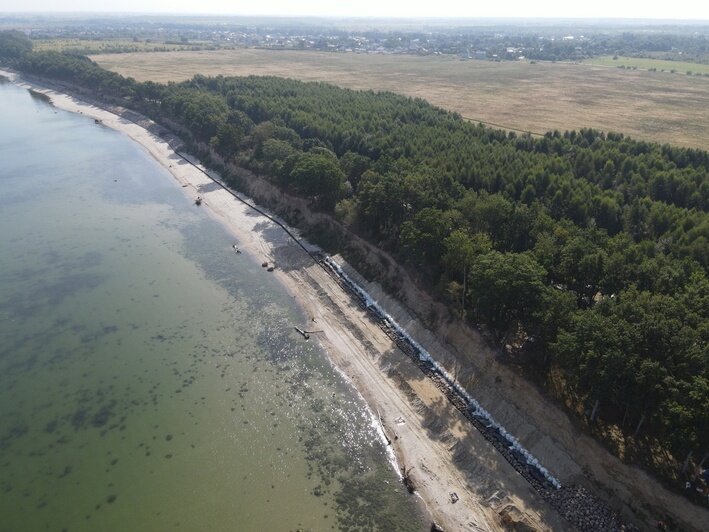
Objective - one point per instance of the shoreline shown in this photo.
(358, 351)
(337, 317)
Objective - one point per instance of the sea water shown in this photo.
(150, 377)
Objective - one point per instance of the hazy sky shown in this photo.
(672, 9)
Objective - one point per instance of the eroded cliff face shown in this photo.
(477, 362)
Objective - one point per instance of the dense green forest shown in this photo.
(13, 46)
(589, 248)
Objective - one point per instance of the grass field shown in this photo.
(680, 67)
(518, 95)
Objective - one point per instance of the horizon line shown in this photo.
(421, 18)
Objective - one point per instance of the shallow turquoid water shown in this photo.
(150, 378)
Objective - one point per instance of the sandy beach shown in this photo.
(450, 460)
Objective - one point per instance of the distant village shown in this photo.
(467, 43)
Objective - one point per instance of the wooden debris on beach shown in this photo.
(301, 331)
(407, 480)
(381, 424)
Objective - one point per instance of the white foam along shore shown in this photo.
(243, 222)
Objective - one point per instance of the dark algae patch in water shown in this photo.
(148, 375)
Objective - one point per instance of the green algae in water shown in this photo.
(149, 378)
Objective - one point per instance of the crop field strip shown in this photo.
(674, 67)
(536, 97)
(113, 45)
